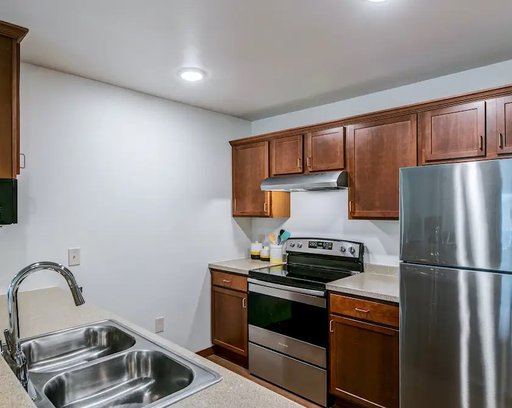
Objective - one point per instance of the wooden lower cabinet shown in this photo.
(363, 363)
(229, 313)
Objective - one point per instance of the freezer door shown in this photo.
(458, 215)
(455, 338)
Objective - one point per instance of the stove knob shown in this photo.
(343, 249)
(292, 245)
(299, 245)
(352, 250)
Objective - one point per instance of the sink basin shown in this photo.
(66, 349)
(135, 379)
(106, 364)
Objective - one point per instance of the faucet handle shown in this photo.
(9, 341)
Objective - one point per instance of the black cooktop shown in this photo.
(313, 262)
(300, 276)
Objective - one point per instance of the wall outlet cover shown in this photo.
(73, 256)
(159, 324)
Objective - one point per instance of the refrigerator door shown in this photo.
(455, 338)
(458, 215)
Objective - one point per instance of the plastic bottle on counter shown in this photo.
(265, 253)
(255, 250)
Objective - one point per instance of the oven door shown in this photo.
(289, 320)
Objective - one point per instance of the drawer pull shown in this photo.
(365, 311)
(226, 281)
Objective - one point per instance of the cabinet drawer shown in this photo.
(365, 310)
(229, 280)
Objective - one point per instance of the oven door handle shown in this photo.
(300, 295)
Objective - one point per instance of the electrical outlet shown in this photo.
(73, 256)
(159, 324)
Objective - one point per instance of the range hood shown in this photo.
(332, 180)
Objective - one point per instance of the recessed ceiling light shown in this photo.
(192, 74)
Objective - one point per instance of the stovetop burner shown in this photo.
(301, 276)
(312, 263)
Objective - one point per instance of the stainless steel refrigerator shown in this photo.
(456, 285)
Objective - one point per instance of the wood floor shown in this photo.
(245, 373)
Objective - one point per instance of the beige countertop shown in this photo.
(240, 266)
(377, 282)
(46, 310)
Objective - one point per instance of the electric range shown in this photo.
(288, 319)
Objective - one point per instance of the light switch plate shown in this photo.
(159, 325)
(73, 256)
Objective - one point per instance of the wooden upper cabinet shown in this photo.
(504, 125)
(10, 38)
(364, 363)
(325, 150)
(375, 153)
(250, 168)
(453, 134)
(286, 155)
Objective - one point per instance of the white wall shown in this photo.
(486, 77)
(325, 214)
(142, 185)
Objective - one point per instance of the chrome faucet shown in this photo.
(12, 351)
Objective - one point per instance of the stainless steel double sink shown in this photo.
(106, 364)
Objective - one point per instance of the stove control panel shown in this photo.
(338, 248)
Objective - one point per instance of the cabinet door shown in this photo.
(229, 320)
(8, 133)
(504, 117)
(286, 155)
(454, 133)
(10, 38)
(376, 151)
(250, 168)
(364, 363)
(325, 150)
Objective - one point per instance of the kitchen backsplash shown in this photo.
(324, 214)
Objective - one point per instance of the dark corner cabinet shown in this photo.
(229, 315)
(10, 38)
(364, 352)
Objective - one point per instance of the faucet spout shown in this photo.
(12, 350)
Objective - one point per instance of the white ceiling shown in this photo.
(263, 57)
